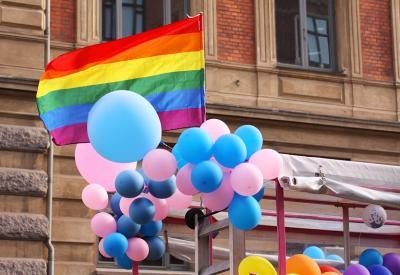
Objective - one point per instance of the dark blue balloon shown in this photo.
(114, 203)
(142, 211)
(124, 262)
(127, 227)
(370, 257)
(379, 270)
(251, 137)
(229, 150)
(244, 212)
(163, 189)
(178, 156)
(115, 244)
(206, 176)
(129, 183)
(156, 248)
(260, 194)
(195, 145)
(151, 229)
(146, 179)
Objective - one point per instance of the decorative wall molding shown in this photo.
(265, 33)
(210, 28)
(88, 22)
(355, 38)
(396, 37)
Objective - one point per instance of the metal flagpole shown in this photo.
(280, 228)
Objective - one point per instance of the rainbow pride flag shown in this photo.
(165, 65)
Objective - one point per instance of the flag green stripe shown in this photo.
(145, 86)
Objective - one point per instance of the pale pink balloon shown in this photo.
(95, 197)
(179, 201)
(220, 198)
(96, 169)
(184, 182)
(101, 250)
(125, 203)
(223, 168)
(215, 128)
(103, 224)
(160, 205)
(246, 179)
(269, 162)
(137, 250)
(159, 164)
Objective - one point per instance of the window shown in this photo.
(127, 17)
(305, 33)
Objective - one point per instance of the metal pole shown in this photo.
(280, 228)
(346, 235)
(50, 159)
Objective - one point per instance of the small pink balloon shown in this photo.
(137, 250)
(223, 168)
(103, 224)
(96, 169)
(125, 203)
(215, 128)
(246, 179)
(269, 162)
(95, 197)
(159, 164)
(160, 205)
(179, 201)
(184, 182)
(101, 250)
(220, 198)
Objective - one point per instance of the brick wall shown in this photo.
(63, 20)
(376, 39)
(235, 31)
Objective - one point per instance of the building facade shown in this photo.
(317, 77)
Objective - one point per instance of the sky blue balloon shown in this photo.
(124, 262)
(127, 227)
(370, 257)
(163, 189)
(115, 244)
(156, 248)
(123, 126)
(251, 137)
(314, 252)
(229, 150)
(129, 183)
(142, 211)
(379, 270)
(114, 204)
(206, 176)
(244, 212)
(151, 229)
(180, 161)
(195, 145)
(334, 257)
(260, 194)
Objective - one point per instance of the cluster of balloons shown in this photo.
(124, 128)
(227, 169)
(371, 262)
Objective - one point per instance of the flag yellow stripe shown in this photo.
(125, 70)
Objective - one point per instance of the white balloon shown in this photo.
(374, 216)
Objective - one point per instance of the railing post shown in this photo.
(237, 248)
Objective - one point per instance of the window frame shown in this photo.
(167, 15)
(303, 47)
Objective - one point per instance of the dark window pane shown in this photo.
(128, 13)
(139, 22)
(179, 9)
(324, 47)
(318, 8)
(313, 52)
(310, 24)
(154, 14)
(288, 31)
(109, 23)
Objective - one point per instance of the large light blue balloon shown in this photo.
(251, 137)
(334, 257)
(195, 145)
(123, 126)
(206, 176)
(314, 252)
(229, 150)
(244, 212)
(115, 244)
